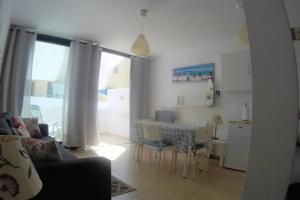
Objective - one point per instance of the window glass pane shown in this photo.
(47, 85)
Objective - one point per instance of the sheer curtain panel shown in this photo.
(80, 102)
(17, 69)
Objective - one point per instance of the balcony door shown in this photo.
(113, 95)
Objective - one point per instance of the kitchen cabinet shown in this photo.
(236, 72)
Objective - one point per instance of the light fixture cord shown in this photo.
(142, 23)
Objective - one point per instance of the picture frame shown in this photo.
(194, 73)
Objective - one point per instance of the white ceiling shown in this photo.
(169, 26)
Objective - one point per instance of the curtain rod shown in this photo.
(28, 30)
(32, 30)
(88, 41)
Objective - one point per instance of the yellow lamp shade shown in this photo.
(243, 34)
(140, 46)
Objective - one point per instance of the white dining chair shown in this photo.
(138, 136)
(153, 139)
(201, 147)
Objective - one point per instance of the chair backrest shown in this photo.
(204, 134)
(36, 112)
(152, 132)
(137, 126)
(140, 121)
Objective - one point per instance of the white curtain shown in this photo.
(81, 95)
(139, 91)
(17, 69)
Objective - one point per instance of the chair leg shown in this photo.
(138, 152)
(150, 156)
(134, 151)
(207, 160)
(196, 165)
(190, 160)
(172, 160)
(200, 158)
(175, 162)
(140, 157)
(164, 156)
(159, 159)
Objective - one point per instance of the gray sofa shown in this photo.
(71, 178)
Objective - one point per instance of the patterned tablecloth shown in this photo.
(182, 136)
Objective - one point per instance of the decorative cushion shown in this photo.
(19, 127)
(41, 150)
(4, 128)
(33, 127)
(6, 116)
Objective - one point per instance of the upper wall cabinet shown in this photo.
(236, 72)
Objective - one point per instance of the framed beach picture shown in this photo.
(194, 73)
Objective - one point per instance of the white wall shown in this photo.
(293, 11)
(5, 14)
(275, 101)
(164, 92)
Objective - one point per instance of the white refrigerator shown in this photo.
(238, 145)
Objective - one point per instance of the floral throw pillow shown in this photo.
(41, 150)
(33, 127)
(19, 128)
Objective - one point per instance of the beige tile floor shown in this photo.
(216, 184)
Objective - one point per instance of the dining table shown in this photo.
(180, 135)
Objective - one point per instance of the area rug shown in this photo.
(119, 187)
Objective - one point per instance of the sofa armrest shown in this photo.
(44, 129)
(87, 178)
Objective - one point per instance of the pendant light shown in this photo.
(140, 45)
(243, 37)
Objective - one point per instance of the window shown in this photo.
(46, 84)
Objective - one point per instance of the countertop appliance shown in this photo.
(166, 116)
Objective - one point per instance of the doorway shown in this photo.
(114, 97)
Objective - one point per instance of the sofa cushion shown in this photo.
(41, 150)
(6, 119)
(44, 129)
(19, 127)
(21, 132)
(65, 153)
(33, 127)
(4, 128)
